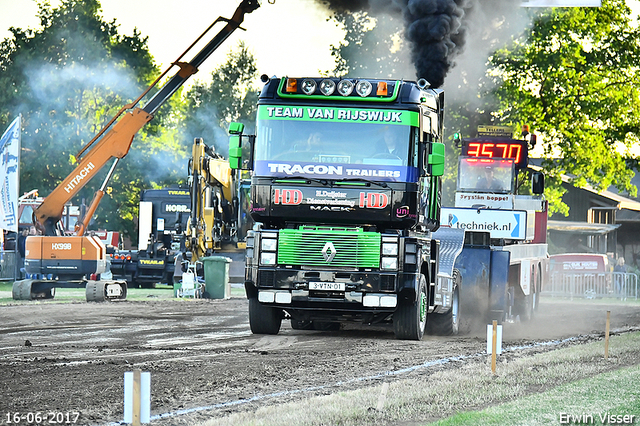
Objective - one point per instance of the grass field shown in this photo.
(68, 295)
(532, 390)
(603, 399)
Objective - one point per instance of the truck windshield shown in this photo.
(355, 149)
(348, 143)
(485, 175)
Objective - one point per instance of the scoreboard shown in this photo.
(516, 150)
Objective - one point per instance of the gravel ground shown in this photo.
(61, 358)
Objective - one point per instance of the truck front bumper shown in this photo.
(349, 291)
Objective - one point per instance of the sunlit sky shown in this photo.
(289, 37)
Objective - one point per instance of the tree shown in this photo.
(373, 47)
(228, 96)
(574, 77)
(68, 79)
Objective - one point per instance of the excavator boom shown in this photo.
(116, 140)
(79, 260)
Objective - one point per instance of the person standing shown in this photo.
(22, 240)
(619, 280)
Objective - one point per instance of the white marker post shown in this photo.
(494, 342)
(137, 397)
(606, 335)
(383, 396)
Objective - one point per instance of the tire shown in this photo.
(264, 319)
(525, 307)
(410, 317)
(447, 324)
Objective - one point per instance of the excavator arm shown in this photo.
(213, 202)
(114, 140)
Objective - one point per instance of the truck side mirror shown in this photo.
(435, 159)
(537, 183)
(235, 145)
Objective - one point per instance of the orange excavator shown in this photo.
(55, 260)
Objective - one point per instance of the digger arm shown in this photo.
(205, 224)
(115, 143)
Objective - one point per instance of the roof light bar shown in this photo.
(363, 88)
(345, 87)
(292, 85)
(382, 88)
(309, 86)
(327, 87)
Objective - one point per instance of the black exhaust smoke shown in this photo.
(435, 30)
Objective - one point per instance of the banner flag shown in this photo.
(10, 176)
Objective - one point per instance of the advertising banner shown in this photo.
(10, 176)
(490, 201)
(507, 224)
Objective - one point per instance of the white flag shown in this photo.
(10, 176)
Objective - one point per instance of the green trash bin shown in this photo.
(216, 277)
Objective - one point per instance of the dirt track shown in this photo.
(71, 357)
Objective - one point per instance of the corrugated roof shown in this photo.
(580, 227)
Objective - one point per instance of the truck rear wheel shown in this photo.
(264, 319)
(525, 306)
(410, 317)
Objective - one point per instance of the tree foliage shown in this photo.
(372, 47)
(228, 96)
(574, 77)
(71, 76)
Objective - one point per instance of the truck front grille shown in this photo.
(353, 248)
(266, 278)
(387, 282)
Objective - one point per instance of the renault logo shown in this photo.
(328, 252)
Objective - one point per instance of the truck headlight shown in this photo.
(267, 258)
(389, 249)
(389, 263)
(268, 244)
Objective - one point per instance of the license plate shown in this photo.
(326, 286)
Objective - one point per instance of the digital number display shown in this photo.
(516, 150)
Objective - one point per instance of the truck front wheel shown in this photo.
(410, 317)
(264, 319)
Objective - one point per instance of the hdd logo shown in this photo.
(291, 197)
(61, 246)
(373, 200)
